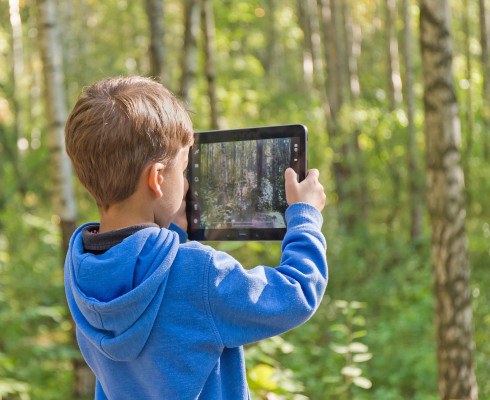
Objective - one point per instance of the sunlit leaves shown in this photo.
(265, 374)
(10, 387)
(262, 375)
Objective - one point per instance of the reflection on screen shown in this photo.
(241, 183)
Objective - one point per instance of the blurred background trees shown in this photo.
(352, 72)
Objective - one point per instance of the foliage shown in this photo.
(35, 349)
(375, 322)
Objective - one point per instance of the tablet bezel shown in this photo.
(218, 136)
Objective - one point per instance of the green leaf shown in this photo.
(362, 357)
(359, 334)
(339, 349)
(362, 382)
(351, 371)
(341, 304)
(357, 305)
(357, 347)
(359, 320)
(339, 328)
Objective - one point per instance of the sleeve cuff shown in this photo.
(303, 213)
(182, 234)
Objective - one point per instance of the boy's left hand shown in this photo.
(180, 218)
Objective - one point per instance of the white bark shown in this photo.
(352, 46)
(18, 65)
(307, 48)
(63, 193)
(486, 76)
(209, 33)
(469, 98)
(445, 194)
(154, 10)
(189, 56)
(56, 109)
(16, 23)
(394, 80)
(413, 162)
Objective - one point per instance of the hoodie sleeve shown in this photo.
(250, 305)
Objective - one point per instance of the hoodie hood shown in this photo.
(115, 297)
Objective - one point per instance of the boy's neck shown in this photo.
(124, 214)
(109, 224)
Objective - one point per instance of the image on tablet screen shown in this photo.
(241, 183)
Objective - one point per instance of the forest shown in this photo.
(396, 98)
(242, 183)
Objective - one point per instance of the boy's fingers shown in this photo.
(291, 176)
(313, 173)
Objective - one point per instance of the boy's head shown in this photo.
(117, 128)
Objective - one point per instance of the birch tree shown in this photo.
(271, 57)
(469, 97)
(330, 39)
(352, 37)
(209, 35)
(352, 44)
(311, 30)
(154, 10)
(18, 64)
(338, 88)
(414, 173)
(445, 188)
(307, 47)
(61, 171)
(485, 61)
(13, 144)
(394, 81)
(189, 55)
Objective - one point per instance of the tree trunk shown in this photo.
(189, 56)
(63, 194)
(154, 10)
(352, 51)
(312, 26)
(352, 44)
(469, 99)
(307, 48)
(271, 61)
(332, 83)
(486, 78)
(336, 86)
(18, 64)
(17, 142)
(414, 173)
(445, 194)
(333, 53)
(394, 81)
(260, 158)
(209, 33)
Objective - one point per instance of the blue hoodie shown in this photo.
(160, 319)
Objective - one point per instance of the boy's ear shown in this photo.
(155, 179)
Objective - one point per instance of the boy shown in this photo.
(156, 317)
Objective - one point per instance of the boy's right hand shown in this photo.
(308, 191)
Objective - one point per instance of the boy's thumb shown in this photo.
(291, 176)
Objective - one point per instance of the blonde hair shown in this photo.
(117, 127)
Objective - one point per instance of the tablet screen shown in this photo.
(237, 182)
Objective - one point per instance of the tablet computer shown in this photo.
(236, 181)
